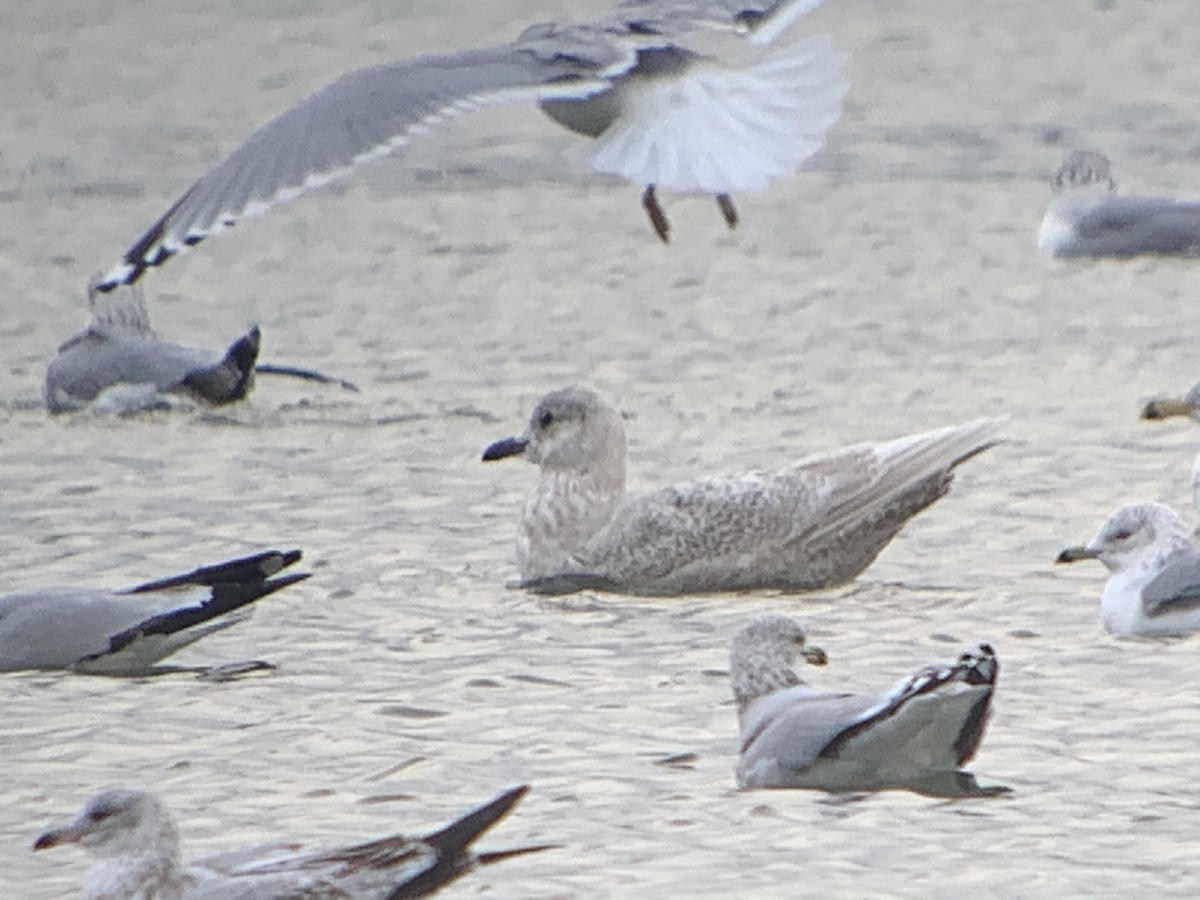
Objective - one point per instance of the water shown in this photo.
(891, 288)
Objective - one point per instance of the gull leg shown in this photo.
(657, 217)
(727, 210)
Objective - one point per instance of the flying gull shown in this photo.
(1086, 217)
(1153, 585)
(125, 632)
(118, 364)
(816, 523)
(664, 111)
(917, 734)
(132, 836)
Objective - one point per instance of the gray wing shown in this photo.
(1175, 589)
(362, 115)
(1131, 225)
(796, 726)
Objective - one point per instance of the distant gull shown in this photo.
(1188, 405)
(666, 112)
(1153, 586)
(117, 364)
(125, 632)
(131, 834)
(916, 734)
(1086, 217)
(816, 523)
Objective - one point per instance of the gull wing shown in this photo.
(363, 115)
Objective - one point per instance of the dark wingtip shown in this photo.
(504, 448)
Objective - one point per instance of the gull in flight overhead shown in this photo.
(816, 523)
(125, 632)
(665, 112)
(1087, 217)
(132, 836)
(118, 364)
(917, 734)
(1153, 585)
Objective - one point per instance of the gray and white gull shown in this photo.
(125, 632)
(136, 845)
(117, 364)
(1087, 217)
(1153, 561)
(816, 523)
(667, 111)
(916, 734)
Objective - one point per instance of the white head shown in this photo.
(1132, 534)
(571, 430)
(118, 822)
(762, 654)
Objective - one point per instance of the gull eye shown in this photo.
(99, 815)
(1122, 535)
(545, 420)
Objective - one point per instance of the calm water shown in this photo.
(890, 288)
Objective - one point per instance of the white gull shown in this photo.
(916, 734)
(125, 632)
(641, 80)
(815, 523)
(132, 836)
(1086, 217)
(1153, 586)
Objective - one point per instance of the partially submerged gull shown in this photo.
(125, 632)
(916, 734)
(1087, 217)
(131, 834)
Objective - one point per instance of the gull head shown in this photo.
(1084, 169)
(762, 654)
(571, 430)
(116, 822)
(1165, 407)
(1132, 534)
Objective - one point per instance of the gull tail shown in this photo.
(717, 130)
(231, 586)
(232, 378)
(452, 842)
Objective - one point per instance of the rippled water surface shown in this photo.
(891, 287)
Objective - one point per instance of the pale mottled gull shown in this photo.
(125, 632)
(916, 734)
(1086, 217)
(132, 836)
(1153, 586)
(641, 80)
(816, 523)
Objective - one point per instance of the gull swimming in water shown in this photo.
(1086, 217)
(917, 734)
(118, 364)
(1153, 586)
(131, 834)
(125, 632)
(816, 523)
(664, 111)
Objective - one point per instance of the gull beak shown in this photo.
(505, 447)
(814, 656)
(1165, 408)
(1075, 554)
(65, 834)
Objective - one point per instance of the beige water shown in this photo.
(890, 288)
